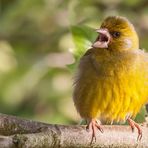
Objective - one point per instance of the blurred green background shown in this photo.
(36, 44)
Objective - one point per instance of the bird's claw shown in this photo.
(133, 124)
(92, 125)
(139, 137)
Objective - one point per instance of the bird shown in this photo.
(111, 80)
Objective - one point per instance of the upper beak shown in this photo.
(103, 39)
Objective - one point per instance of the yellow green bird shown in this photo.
(111, 83)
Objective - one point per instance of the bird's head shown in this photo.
(116, 34)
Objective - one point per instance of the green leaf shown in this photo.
(141, 115)
(72, 67)
(83, 37)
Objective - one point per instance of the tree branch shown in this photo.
(17, 132)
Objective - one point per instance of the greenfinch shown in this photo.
(111, 83)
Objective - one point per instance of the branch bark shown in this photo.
(16, 132)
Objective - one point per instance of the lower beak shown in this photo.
(103, 39)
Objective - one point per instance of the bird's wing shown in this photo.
(88, 52)
(89, 58)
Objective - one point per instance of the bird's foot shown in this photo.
(133, 124)
(93, 124)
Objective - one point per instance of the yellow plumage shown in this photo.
(112, 83)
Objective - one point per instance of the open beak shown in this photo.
(103, 39)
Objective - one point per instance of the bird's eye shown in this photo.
(115, 34)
